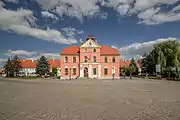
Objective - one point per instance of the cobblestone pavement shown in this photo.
(89, 100)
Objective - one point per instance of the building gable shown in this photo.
(90, 43)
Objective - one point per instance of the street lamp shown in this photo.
(113, 73)
(69, 73)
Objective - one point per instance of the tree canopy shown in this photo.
(12, 67)
(42, 67)
(166, 54)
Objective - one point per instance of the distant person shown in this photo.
(124, 73)
(146, 75)
(130, 75)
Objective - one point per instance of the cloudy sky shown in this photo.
(31, 28)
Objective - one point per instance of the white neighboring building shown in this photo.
(28, 68)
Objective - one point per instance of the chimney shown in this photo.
(32, 60)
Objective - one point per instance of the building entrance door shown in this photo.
(85, 72)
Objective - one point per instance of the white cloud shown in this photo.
(1, 5)
(136, 50)
(74, 8)
(13, 1)
(141, 5)
(51, 55)
(177, 8)
(47, 55)
(47, 14)
(153, 16)
(20, 53)
(22, 22)
(2, 62)
(70, 32)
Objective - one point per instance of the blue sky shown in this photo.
(31, 28)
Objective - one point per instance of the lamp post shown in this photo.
(113, 73)
(69, 73)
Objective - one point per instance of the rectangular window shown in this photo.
(74, 59)
(105, 59)
(85, 59)
(94, 58)
(74, 71)
(66, 59)
(105, 71)
(94, 50)
(66, 71)
(113, 59)
(94, 71)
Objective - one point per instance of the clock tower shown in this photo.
(90, 58)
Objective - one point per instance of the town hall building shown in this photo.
(90, 60)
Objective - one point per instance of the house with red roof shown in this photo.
(89, 60)
(28, 67)
(127, 63)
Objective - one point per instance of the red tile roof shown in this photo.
(32, 63)
(72, 50)
(137, 64)
(28, 63)
(107, 50)
(122, 63)
(54, 63)
(127, 63)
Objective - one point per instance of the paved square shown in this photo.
(89, 100)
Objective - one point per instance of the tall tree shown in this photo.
(42, 67)
(166, 53)
(147, 64)
(8, 68)
(16, 65)
(12, 67)
(132, 67)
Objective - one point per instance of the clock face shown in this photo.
(90, 43)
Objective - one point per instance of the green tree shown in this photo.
(147, 64)
(167, 54)
(8, 68)
(132, 67)
(42, 67)
(54, 71)
(12, 67)
(16, 65)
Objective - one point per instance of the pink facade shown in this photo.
(90, 60)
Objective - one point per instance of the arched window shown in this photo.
(66, 59)
(94, 71)
(66, 71)
(105, 59)
(113, 59)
